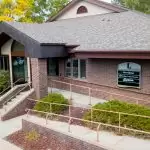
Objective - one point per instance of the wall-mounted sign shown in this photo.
(129, 74)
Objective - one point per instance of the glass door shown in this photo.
(19, 66)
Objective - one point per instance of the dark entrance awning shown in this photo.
(33, 48)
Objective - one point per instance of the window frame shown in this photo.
(79, 69)
(5, 64)
(128, 86)
(48, 73)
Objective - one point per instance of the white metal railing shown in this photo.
(10, 86)
(27, 85)
(98, 90)
(120, 114)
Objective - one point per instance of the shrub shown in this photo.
(52, 98)
(4, 80)
(32, 136)
(133, 122)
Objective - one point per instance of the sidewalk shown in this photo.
(4, 145)
(6, 128)
(106, 139)
(10, 126)
(78, 100)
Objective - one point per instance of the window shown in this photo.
(75, 68)
(81, 10)
(4, 63)
(129, 74)
(53, 66)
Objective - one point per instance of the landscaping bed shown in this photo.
(126, 121)
(35, 141)
(75, 112)
(109, 118)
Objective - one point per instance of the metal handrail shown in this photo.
(94, 122)
(10, 86)
(93, 109)
(28, 84)
(95, 89)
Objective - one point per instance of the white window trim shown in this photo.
(79, 73)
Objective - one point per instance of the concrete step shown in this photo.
(14, 102)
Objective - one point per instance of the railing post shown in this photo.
(98, 132)
(119, 121)
(69, 111)
(28, 111)
(51, 110)
(47, 118)
(89, 96)
(51, 87)
(69, 125)
(70, 91)
(91, 115)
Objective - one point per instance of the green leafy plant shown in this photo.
(134, 122)
(32, 136)
(52, 98)
(4, 80)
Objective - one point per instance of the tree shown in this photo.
(139, 5)
(48, 8)
(29, 10)
(11, 10)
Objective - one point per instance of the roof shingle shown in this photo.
(115, 31)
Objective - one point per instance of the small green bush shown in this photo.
(32, 136)
(4, 80)
(133, 122)
(52, 98)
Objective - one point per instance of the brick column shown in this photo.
(39, 77)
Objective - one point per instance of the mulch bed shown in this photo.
(20, 140)
(44, 143)
(76, 112)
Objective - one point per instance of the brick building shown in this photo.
(89, 43)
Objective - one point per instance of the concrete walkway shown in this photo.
(4, 145)
(78, 99)
(6, 128)
(10, 126)
(106, 139)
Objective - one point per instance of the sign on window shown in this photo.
(129, 74)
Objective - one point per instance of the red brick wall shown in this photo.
(39, 76)
(104, 72)
(102, 75)
(64, 141)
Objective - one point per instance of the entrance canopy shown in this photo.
(33, 48)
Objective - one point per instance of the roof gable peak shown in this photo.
(97, 3)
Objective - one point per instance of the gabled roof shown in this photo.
(33, 47)
(99, 3)
(125, 31)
